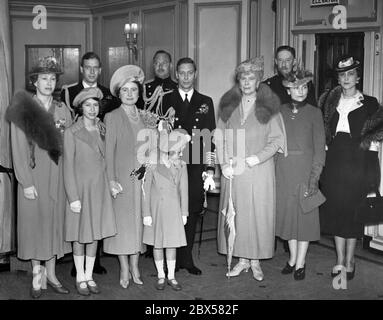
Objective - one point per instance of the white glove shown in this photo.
(75, 206)
(184, 219)
(30, 193)
(252, 161)
(208, 181)
(115, 188)
(228, 172)
(148, 221)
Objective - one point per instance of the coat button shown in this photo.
(193, 134)
(176, 119)
(179, 127)
(191, 142)
(194, 127)
(197, 119)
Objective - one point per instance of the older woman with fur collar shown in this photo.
(352, 122)
(250, 132)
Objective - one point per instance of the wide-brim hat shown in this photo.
(46, 65)
(125, 74)
(298, 78)
(174, 141)
(346, 63)
(87, 93)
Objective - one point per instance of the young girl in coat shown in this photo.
(89, 215)
(165, 205)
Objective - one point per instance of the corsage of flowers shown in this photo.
(60, 124)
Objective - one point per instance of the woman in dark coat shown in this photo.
(299, 171)
(350, 119)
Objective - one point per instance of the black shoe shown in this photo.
(99, 269)
(350, 275)
(193, 270)
(73, 271)
(288, 269)
(300, 273)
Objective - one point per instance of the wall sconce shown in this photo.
(131, 32)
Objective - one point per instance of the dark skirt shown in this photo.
(343, 183)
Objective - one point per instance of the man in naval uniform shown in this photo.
(194, 112)
(90, 70)
(285, 62)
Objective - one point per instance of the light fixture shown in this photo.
(131, 32)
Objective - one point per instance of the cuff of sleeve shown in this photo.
(374, 146)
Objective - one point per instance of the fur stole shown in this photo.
(372, 128)
(267, 103)
(37, 124)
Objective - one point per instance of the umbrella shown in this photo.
(230, 233)
(202, 214)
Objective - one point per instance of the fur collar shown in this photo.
(37, 124)
(267, 103)
(372, 128)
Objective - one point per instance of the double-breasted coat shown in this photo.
(166, 201)
(40, 222)
(86, 180)
(121, 159)
(198, 120)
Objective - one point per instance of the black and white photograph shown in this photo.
(191, 157)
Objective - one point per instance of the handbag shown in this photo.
(370, 210)
(308, 204)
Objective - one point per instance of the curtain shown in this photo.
(6, 190)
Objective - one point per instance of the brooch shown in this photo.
(203, 109)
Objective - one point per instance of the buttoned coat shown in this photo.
(40, 222)
(121, 159)
(166, 201)
(85, 180)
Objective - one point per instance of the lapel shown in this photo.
(166, 173)
(81, 133)
(194, 102)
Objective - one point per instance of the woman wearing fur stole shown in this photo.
(37, 126)
(250, 132)
(353, 122)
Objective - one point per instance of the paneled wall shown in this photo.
(224, 33)
(161, 26)
(65, 26)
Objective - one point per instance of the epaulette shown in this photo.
(148, 81)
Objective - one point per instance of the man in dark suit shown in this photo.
(194, 112)
(285, 62)
(90, 70)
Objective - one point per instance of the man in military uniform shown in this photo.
(162, 64)
(90, 69)
(194, 112)
(285, 62)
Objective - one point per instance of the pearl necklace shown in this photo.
(131, 112)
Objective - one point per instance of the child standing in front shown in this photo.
(165, 205)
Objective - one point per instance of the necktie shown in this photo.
(184, 108)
